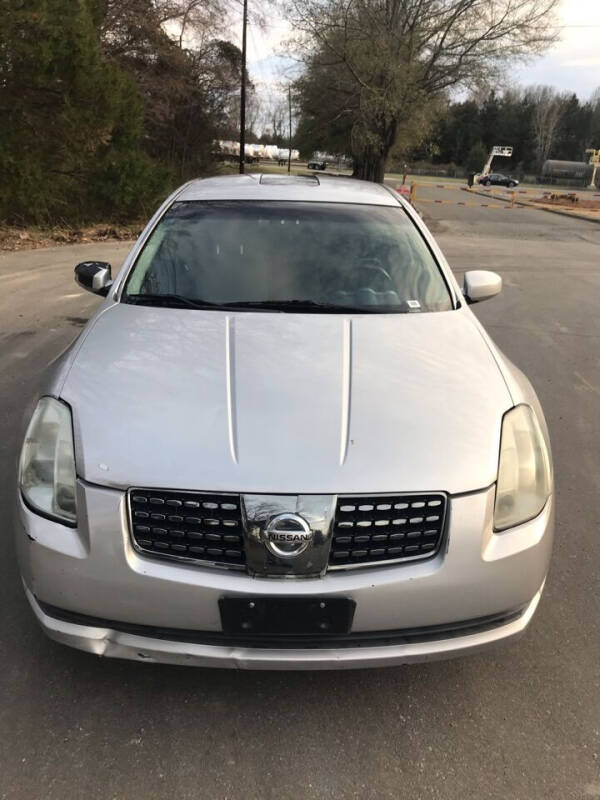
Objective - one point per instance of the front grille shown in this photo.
(207, 527)
(371, 529)
(188, 525)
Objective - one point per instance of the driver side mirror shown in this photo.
(479, 284)
(94, 276)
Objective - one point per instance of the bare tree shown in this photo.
(594, 138)
(273, 116)
(548, 109)
(132, 27)
(390, 58)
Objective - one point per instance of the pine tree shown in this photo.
(70, 121)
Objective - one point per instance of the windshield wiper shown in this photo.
(298, 306)
(307, 306)
(176, 300)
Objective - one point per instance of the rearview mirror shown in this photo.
(479, 284)
(94, 276)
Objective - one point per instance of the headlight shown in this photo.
(524, 473)
(47, 466)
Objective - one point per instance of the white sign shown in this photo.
(497, 150)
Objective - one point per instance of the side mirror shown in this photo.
(479, 284)
(94, 276)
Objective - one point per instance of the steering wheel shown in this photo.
(372, 265)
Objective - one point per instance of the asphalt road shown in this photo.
(522, 722)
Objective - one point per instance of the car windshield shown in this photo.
(288, 256)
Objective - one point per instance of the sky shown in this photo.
(573, 64)
(270, 71)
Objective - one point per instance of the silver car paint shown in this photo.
(311, 189)
(115, 644)
(93, 569)
(286, 403)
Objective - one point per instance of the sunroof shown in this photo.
(284, 180)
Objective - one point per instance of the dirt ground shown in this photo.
(33, 238)
(569, 200)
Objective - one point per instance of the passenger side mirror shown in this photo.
(94, 276)
(479, 284)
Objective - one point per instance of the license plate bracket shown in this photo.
(286, 616)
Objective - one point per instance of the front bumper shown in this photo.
(94, 571)
(106, 641)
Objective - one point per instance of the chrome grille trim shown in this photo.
(221, 514)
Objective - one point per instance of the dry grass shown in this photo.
(34, 238)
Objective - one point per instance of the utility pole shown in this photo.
(290, 136)
(243, 91)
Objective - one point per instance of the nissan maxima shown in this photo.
(284, 441)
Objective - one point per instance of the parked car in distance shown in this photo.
(322, 165)
(284, 441)
(497, 179)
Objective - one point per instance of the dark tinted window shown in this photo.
(358, 256)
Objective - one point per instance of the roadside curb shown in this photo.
(562, 212)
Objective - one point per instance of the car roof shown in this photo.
(307, 188)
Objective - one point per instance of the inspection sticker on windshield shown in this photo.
(413, 305)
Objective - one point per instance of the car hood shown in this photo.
(286, 403)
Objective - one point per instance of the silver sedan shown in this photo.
(284, 441)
